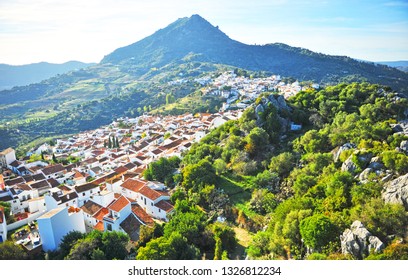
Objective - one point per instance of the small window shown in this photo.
(159, 210)
(151, 203)
(83, 194)
(109, 227)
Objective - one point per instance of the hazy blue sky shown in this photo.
(86, 30)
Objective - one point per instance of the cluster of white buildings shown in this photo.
(104, 190)
(240, 91)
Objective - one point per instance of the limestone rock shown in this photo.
(365, 158)
(282, 103)
(343, 148)
(259, 109)
(358, 241)
(401, 127)
(386, 178)
(396, 191)
(363, 177)
(404, 146)
(273, 100)
(349, 165)
(376, 164)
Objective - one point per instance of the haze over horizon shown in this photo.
(59, 31)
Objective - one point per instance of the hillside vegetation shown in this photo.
(136, 76)
(297, 192)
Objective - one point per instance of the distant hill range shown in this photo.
(21, 75)
(195, 39)
(400, 65)
(135, 77)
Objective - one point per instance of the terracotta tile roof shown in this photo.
(134, 184)
(6, 198)
(119, 204)
(99, 226)
(140, 169)
(131, 226)
(15, 163)
(53, 169)
(54, 183)
(15, 181)
(152, 194)
(91, 207)
(130, 174)
(85, 187)
(38, 177)
(142, 215)
(101, 213)
(79, 175)
(164, 205)
(64, 188)
(157, 151)
(121, 170)
(172, 144)
(1, 215)
(130, 166)
(23, 187)
(68, 197)
(40, 184)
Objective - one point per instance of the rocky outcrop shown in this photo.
(341, 149)
(363, 177)
(401, 127)
(396, 191)
(282, 103)
(376, 164)
(404, 146)
(348, 165)
(279, 102)
(359, 242)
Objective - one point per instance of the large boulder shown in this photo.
(282, 103)
(273, 100)
(359, 242)
(401, 127)
(396, 191)
(341, 149)
(348, 165)
(376, 164)
(404, 146)
(363, 177)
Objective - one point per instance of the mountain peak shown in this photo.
(185, 35)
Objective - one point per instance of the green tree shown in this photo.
(282, 164)
(67, 242)
(6, 207)
(220, 166)
(257, 141)
(318, 231)
(263, 201)
(174, 247)
(110, 143)
(114, 245)
(10, 251)
(196, 176)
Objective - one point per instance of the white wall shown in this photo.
(53, 229)
(37, 205)
(21, 223)
(103, 199)
(85, 196)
